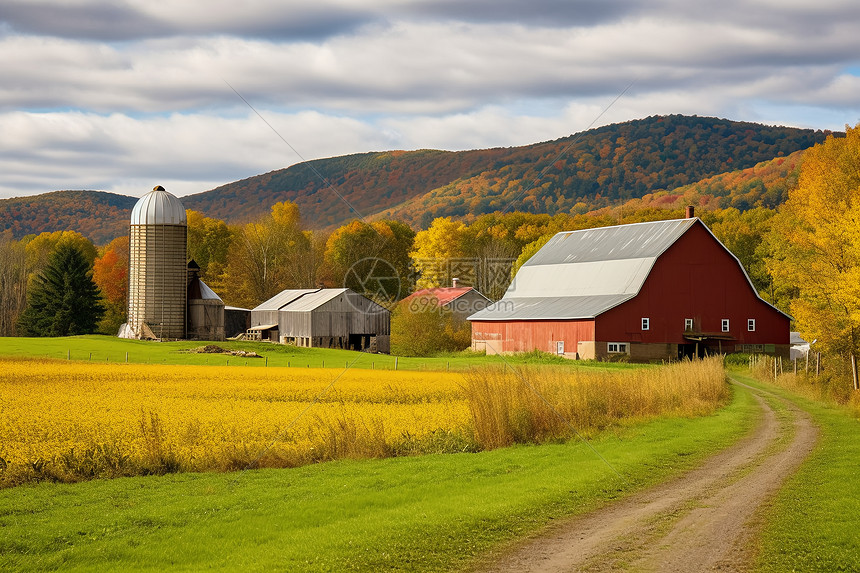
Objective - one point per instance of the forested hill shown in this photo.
(368, 182)
(98, 215)
(610, 165)
(600, 167)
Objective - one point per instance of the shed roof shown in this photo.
(264, 327)
(283, 298)
(796, 340)
(443, 295)
(207, 293)
(301, 300)
(313, 300)
(549, 308)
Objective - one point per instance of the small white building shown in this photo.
(799, 347)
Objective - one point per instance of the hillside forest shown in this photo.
(791, 221)
(648, 158)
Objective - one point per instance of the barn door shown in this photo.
(559, 347)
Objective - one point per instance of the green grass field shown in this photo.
(100, 348)
(814, 522)
(428, 513)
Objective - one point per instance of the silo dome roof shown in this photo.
(158, 207)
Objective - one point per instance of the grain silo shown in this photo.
(157, 275)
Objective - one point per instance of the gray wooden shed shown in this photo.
(323, 318)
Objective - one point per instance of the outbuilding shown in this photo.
(323, 318)
(656, 290)
(461, 301)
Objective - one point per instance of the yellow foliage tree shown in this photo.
(815, 245)
(435, 249)
(40, 248)
(371, 258)
(268, 256)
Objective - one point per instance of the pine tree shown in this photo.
(63, 300)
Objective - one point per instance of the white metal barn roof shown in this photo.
(283, 298)
(300, 300)
(158, 207)
(581, 274)
(313, 300)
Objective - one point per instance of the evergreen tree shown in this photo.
(63, 299)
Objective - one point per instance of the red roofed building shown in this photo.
(461, 301)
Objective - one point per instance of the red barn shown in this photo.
(659, 290)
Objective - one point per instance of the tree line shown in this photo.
(803, 256)
(385, 259)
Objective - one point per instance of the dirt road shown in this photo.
(701, 521)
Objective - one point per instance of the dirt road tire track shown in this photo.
(703, 520)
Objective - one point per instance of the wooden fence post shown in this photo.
(854, 371)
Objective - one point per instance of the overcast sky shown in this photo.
(121, 96)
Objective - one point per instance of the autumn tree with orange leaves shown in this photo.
(110, 273)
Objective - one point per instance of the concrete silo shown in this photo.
(157, 275)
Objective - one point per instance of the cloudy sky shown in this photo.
(120, 96)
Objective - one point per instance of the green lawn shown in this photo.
(429, 513)
(814, 522)
(110, 348)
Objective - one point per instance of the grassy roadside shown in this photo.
(813, 523)
(99, 348)
(429, 513)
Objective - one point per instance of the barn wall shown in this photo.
(295, 324)
(695, 278)
(523, 336)
(467, 304)
(205, 319)
(331, 323)
(259, 317)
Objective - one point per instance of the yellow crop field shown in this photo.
(72, 420)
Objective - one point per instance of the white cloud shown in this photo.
(48, 151)
(116, 96)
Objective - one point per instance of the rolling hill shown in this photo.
(765, 184)
(98, 215)
(593, 169)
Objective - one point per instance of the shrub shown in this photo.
(427, 330)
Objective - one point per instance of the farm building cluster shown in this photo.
(168, 300)
(648, 291)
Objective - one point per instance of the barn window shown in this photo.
(751, 324)
(688, 324)
(725, 325)
(616, 347)
(646, 323)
